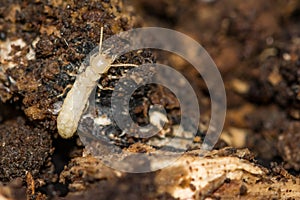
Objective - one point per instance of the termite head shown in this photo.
(100, 63)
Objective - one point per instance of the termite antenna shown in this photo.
(100, 43)
(124, 65)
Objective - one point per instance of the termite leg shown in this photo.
(64, 91)
(72, 74)
(104, 88)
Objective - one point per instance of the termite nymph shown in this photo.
(77, 98)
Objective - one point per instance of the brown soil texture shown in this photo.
(255, 44)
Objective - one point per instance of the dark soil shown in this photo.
(23, 149)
